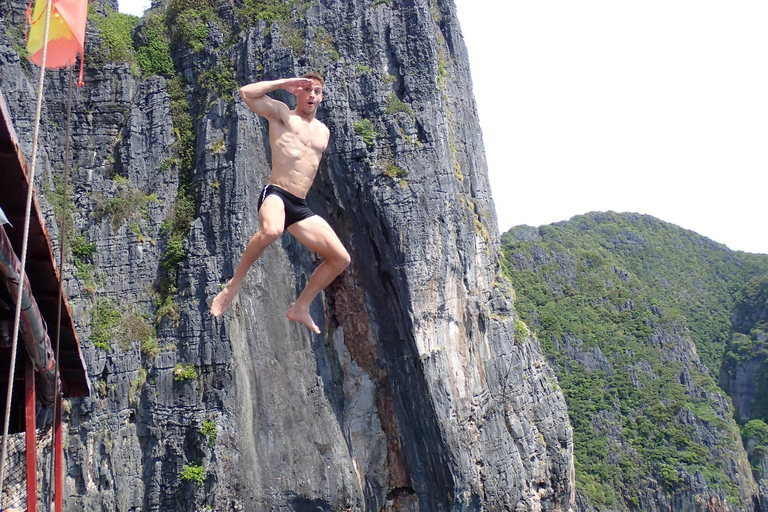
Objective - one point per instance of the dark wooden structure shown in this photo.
(43, 289)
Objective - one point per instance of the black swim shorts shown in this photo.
(296, 208)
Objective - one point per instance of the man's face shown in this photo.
(308, 98)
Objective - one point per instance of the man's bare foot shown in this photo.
(298, 314)
(221, 301)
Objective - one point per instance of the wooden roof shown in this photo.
(41, 267)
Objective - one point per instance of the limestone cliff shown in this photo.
(634, 315)
(420, 395)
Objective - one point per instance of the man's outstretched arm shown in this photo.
(255, 96)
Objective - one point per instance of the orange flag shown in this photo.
(66, 34)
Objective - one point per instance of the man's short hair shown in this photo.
(315, 76)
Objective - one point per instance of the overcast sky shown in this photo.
(656, 107)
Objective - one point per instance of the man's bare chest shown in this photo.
(306, 135)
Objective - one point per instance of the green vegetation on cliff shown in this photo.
(115, 29)
(618, 302)
(745, 369)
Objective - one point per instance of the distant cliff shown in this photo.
(635, 315)
(422, 394)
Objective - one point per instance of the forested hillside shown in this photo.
(635, 316)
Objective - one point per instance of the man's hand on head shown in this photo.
(294, 84)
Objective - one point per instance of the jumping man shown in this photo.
(297, 140)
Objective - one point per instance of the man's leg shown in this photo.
(272, 217)
(319, 237)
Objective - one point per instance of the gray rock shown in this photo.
(418, 396)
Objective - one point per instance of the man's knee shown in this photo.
(342, 261)
(269, 234)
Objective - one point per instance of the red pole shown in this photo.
(59, 459)
(31, 436)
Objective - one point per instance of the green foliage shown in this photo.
(191, 27)
(194, 473)
(168, 164)
(82, 252)
(136, 230)
(15, 32)
(116, 31)
(362, 69)
(183, 213)
(183, 372)
(442, 71)
(128, 204)
(748, 345)
(218, 146)
(622, 291)
(105, 320)
(208, 429)
(751, 306)
(392, 171)
(134, 328)
(137, 384)
(167, 307)
(652, 255)
(268, 10)
(183, 126)
(521, 330)
(110, 323)
(101, 388)
(326, 44)
(755, 437)
(292, 37)
(189, 23)
(149, 346)
(84, 272)
(81, 249)
(184, 207)
(174, 254)
(742, 348)
(366, 130)
(756, 430)
(154, 54)
(55, 196)
(670, 477)
(220, 79)
(395, 105)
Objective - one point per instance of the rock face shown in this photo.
(420, 395)
(744, 371)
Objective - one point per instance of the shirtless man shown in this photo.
(297, 140)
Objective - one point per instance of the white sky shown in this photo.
(657, 107)
(135, 7)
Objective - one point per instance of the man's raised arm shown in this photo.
(254, 95)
